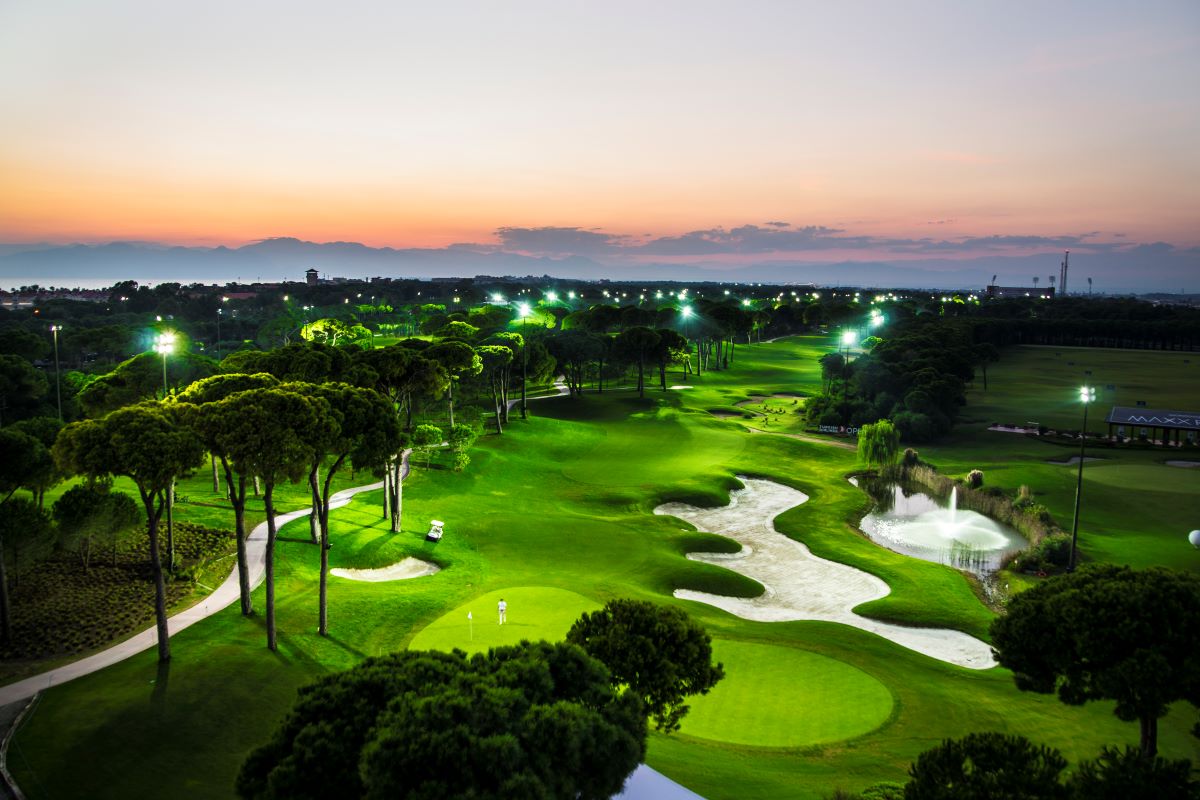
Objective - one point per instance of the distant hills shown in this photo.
(287, 258)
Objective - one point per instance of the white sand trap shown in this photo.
(679, 386)
(401, 570)
(1073, 460)
(798, 584)
(1184, 464)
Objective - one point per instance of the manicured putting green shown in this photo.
(534, 612)
(784, 697)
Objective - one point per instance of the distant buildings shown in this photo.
(1000, 292)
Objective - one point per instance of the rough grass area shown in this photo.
(60, 608)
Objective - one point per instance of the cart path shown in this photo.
(224, 596)
(804, 437)
(560, 384)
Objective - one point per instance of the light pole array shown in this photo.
(54, 329)
(1086, 395)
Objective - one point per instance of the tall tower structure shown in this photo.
(1062, 273)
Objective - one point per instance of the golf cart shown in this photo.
(435, 531)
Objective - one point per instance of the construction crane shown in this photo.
(1062, 272)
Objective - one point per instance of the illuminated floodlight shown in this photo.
(848, 337)
(726, 291)
(497, 298)
(658, 294)
(458, 299)
(686, 311)
(165, 342)
(523, 309)
(745, 302)
(1087, 394)
(571, 295)
(552, 297)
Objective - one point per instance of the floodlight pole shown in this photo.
(1086, 395)
(219, 334)
(57, 380)
(524, 367)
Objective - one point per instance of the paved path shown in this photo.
(804, 437)
(559, 383)
(226, 594)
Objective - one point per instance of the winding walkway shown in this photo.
(559, 383)
(225, 595)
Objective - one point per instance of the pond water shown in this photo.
(915, 524)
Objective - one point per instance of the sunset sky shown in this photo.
(865, 130)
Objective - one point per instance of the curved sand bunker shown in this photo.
(800, 586)
(401, 570)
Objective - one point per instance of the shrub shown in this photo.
(461, 460)
(911, 457)
(1126, 775)
(975, 478)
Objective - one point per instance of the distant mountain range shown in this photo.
(284, 259)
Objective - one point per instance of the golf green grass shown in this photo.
(759, 702)
(561, 506)
(534, 612)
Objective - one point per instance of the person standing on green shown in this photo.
(502, 607)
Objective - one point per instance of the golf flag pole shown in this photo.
(471, 625)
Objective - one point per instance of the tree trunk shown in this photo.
(1149, 726)
(662, 374)
(314, 482)
(171, 526)
(504, 387)
(641, 376)
(387, 489)
(450, 391)
(600, 376)
(160, 586)
(985, 377)
(323, 513)
(237, 499)
(496, 403)
(216, 483)
(5, 617)
(268, 504)
(397, 493)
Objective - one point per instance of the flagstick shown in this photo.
(471, 623)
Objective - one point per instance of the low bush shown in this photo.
(61, 609)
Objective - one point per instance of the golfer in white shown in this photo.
(502, 607)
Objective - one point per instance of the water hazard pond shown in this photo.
(913, 523)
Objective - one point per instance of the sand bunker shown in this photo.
(1184, 464)
(1073, 460)
(800, 585)
(679, 386)
(401, 570)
